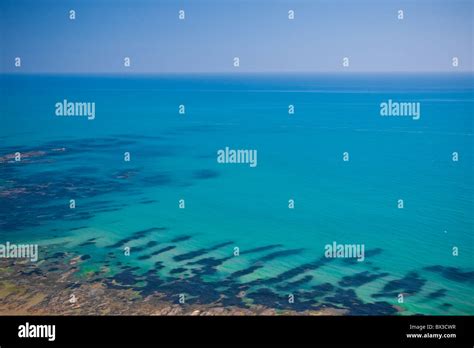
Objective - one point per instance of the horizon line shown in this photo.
(235, 73)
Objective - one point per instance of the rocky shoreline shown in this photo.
(29, 289)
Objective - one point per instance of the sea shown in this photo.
(226, 233)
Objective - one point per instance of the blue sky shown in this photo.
(215, 31)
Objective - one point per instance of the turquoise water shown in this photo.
(173, 157)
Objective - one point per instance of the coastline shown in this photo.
(35, 294)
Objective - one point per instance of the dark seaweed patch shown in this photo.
(90, 241)
(125, 278)
(349, 300)
(180, 239)
(195, 288)
(205, 174)
(322, 289)
(437, 294)
(360, 278)
(281, 253)
(149, 201)
(295, 284)
(78, 228)
(245, 271)
(200, 252)
(163, 250)
(452, 273)
(208, 264)
(446, 306)
(410, 284)
(287, 275)
(57, 255)
(135, 236)
(145, 246)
